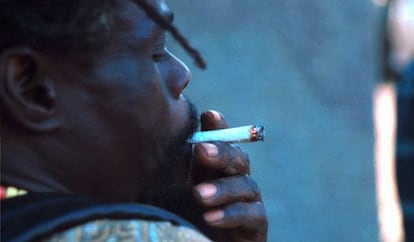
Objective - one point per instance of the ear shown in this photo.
(27, 94)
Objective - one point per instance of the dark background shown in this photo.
(306, 70)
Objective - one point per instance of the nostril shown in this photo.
(178, 84)
(178, 78)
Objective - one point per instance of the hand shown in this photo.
(231, 201)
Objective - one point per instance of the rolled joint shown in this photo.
(243, 134)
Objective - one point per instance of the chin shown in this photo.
(172, 188)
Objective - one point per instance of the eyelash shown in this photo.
(160, 55)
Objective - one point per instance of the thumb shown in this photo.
(211, 120)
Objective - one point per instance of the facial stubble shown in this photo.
(171, 189)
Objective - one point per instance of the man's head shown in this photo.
(91, 99)
(398, 38)
(401, 34)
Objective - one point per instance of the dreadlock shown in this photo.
(163, 23)
(66, 25)
(54, 25)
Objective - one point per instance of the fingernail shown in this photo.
(206, 191)
(216, 115)
(210, 149)
(214, 216)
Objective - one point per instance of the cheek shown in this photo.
(116, 119)
(128, 104)
(132, 87)
(142, 102)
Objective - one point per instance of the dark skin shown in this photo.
(102, 130)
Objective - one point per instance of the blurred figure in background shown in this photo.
(394, 126)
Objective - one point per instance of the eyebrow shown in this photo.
(164, 20)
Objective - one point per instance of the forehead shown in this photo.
(131, 23)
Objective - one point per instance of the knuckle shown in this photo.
(236, 210)
(238, 160)
(240, 189)
(252, 187)
(243, 155)
(256, 215)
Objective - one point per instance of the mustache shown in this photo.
(193, 121)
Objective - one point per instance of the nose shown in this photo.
(176, 75)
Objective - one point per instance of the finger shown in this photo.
(227, 158)
(250, 216)
(212, 120)
(228, 190)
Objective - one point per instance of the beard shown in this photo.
(171, 188)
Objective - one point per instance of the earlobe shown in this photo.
(27, 93)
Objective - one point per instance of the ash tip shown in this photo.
(259, 132)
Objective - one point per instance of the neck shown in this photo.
(25, 168)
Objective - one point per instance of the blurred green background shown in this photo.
(306, 71)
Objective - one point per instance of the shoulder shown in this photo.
(39, 216)
(128, 230)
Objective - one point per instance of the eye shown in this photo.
(160, 55)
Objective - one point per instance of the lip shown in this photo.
(179, 113)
